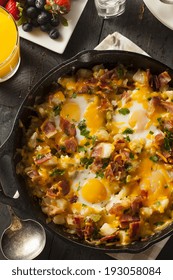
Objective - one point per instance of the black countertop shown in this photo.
(140, 26)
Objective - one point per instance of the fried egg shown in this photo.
(93, 193)
(137, 120)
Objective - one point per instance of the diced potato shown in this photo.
(107, 229)
(59, 220)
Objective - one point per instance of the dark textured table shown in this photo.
(139, 25)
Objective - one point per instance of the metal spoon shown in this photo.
(167, 1)
(23, 239)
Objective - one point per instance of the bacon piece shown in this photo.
(117, 209)
(126, 96)
(126, 219)
(41, 158)
(32, 173)
(67, 127)
(164, 78)
(114, 171)
(134, 228)
(49, 128)
(144, 194)
(73, 199)
(54, 191)
(107, 75)
(71, 145)
(167, 105)
(136, 204)
(103, 150)
(159, 139)
(65, 186)
(168, 125)
(109, 238)
(84, 89)
(158, 82)
(105, 104)
(89, 228)
(97, 164)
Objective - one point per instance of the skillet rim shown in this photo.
(85, 57)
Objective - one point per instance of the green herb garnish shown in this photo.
(124, 111)
(56, 172)
(154, 158)
(57, 109)
(83, 129)
(86, 161)
(128, 131)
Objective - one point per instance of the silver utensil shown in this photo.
(23, 239)
(167, 1)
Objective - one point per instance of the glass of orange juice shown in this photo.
(9, 45)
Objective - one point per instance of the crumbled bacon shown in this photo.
(71, 145)
(134, 228)
(73, 199)
(89, 228)
(42, 158)
(167, 105)
(164, 78)
(107, 75)
(136, 204)
(97, 151)
(49, 128)
(105, 104)
(32, 173)
(144, 194)
(97, 164)
(54, 191)
(159, 139)
(126, 96)
(67, 127)
(109, 238)
(168, 125)
(126, 219)
(65, 186)
(117, 209)
(84, 89)
(160, 81)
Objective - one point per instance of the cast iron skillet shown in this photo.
(24, 204)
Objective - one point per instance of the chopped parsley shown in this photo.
(56, 172)
(124, 111)
(127, 138)
(40, 156)
(154, 158)
(99, 174)
(168, 140)
(57, 109)
(83, 129)
(40, 140)
(74, 95)
(81, 149)
(86, 161)
(151, 132)
(158, 223)
(128, 131)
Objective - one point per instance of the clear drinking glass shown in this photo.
(110, 8)
(9, 46)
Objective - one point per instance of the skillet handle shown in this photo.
(7, 172)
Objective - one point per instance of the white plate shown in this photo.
(58, 45)
(163, 12)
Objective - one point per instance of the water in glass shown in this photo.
(110, 8)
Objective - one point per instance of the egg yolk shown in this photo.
(94, 117)
(94, 191)
(71, 111)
